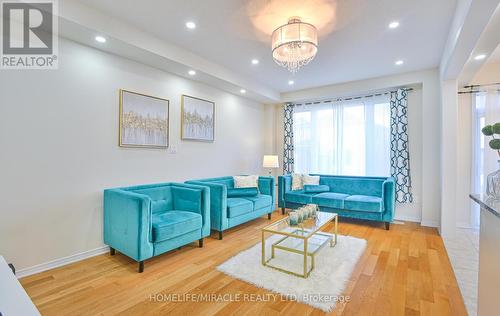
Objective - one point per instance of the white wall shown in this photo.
(59, 148)
(424, 129)
(464, 161)
(449, 158)
(489, 73)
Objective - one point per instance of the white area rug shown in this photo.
(324, 286)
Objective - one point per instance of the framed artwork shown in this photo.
(197, 119)
(143, 120)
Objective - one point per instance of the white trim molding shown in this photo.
(430, 224)
(407, 218)
(61, 262)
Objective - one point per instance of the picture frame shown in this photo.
(197, 119)
(144, 120)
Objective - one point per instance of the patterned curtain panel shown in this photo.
(400, 157)
(288, 139)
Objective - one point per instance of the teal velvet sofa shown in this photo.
(147, 220)
(369, 198)
(227, 212)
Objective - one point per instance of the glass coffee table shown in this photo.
(304, 239)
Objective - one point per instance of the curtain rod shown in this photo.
(481, 85)
(346, 98)
(474, 86)
(472, 91)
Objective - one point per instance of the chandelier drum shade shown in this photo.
(294, 44)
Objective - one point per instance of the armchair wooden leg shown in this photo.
(11, 266)
(141, 266)
(200, 243)
(283, 211)
(387, 224)
(112, 251)
(269, 215)
(220, 235)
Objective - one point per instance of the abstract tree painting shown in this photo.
(143, 120)
(198, 119)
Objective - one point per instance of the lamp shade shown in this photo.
(294, 44)
(270, 161)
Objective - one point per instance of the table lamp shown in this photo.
(270, 162)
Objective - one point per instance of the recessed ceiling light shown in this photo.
(399, 63)
(480, 57)
(255, 61)
(100, 39)
(394, 24)
(243, 91)
(290, 82)
(190, 25)
(192, 72)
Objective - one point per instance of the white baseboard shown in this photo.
(430, 224)
(61, 262)
(417, 220)
(407, 218)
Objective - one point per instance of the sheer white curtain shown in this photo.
(484, 160)
(343, 138)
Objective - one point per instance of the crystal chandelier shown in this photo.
(294, 44)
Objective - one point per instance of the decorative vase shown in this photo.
(299, 216)
(493, 183)
(294, 218)
(304, 212)
(302, 215)
(314, 211)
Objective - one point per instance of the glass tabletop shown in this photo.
(304, 229)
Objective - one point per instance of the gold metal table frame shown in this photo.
(304, 232)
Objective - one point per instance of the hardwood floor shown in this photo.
(404, 271)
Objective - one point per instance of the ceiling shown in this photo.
(354, 43)
(495, 57)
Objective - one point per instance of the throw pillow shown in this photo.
(307, 179)
(246, 181)
(297, 181)
(310, 188)
(240, 192)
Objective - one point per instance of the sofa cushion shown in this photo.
(363, 203)
(187, 199)
(319, 188)
(298, 196)
(251, 181)
(173, 223)
(311, 180)
(330, 199)
(242, 192)
(238, 206)
(260, 201)
(160, 206)
(161, 198)
(354, 185)
(297, 183)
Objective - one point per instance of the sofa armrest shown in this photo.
(193, 198)
(284, 185)
(127, 223)
(389, 199)
(266, 186)
(218, 203)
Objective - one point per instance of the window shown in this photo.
(343, 138)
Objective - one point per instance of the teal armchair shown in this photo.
(227, 212)
(369, 198)
(147, 220)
